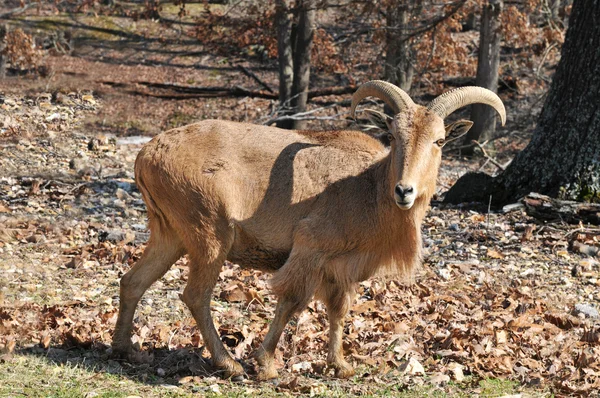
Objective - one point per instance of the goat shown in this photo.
(322, 211)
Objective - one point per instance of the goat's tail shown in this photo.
(154, 212)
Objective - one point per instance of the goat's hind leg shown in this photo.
(197, 295)
(163, 250)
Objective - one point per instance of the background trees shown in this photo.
(488, 63)
(563, 157)
(295, 42)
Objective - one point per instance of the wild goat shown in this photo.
(322, 211)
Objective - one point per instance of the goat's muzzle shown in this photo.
(405, 196)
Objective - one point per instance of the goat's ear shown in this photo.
(457, 129)
(379, 119)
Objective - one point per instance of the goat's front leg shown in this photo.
(265, 355)
(295, 284)
(338, 301)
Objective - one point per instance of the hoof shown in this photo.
(266, 366)
(120, 352)
(343, 370)
(231, 370)
(267, 373)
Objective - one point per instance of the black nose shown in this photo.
(402, 191)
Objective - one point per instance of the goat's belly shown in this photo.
(257, 257)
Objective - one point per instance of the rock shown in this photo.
(111, 236)
(527, 272)
(454, 227)
(215, 389)
(444, 273)
(439, 378)
(122, 194)
(93, 144)
(139, 227)
(513, 207)
(565, 281)
(119, 203)
(412, 367)
(586, 310)
(457, 371)
(301, 367)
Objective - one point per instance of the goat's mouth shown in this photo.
(404, 203)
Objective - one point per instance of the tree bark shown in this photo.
(3, 32)
(286, 59)
(488, 62)
(302, 52)
(399, 66)
(563, 158)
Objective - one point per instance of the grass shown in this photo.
(34, 376)
(498, 387)
(38, 376)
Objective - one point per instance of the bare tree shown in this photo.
(283, 18)
(294, 45)
(302, 50)
(488, 62)
(399, 60)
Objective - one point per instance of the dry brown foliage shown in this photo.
(21, 51)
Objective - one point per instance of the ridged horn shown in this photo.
(393, 96)
(452, 100)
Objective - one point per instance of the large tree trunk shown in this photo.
(302, 50)
(563, 158)
(283, 18)
(488, 61)
(399, 67)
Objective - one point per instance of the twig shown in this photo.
(484, 143)
(18, 10)
(541, 64)
(253, 76)
(491, 159)
(488, 213)
(458, 5)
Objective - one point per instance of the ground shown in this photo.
(502, 304)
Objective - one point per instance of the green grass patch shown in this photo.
(498, 387)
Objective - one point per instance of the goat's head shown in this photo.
(417, 134)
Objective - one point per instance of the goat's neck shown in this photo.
(399, 230)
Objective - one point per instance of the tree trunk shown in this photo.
(399, 67)
(563, 158)
(286, 60)
(488, 61)
(302, 50)
(3, 32)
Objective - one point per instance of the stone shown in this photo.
(585, 309)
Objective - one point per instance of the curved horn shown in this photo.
(393, 96)
(452, 100)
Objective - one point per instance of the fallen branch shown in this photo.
(253, 76)
(218, 91)
(549, 209)
(17, 11)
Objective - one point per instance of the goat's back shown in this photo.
(262, 180)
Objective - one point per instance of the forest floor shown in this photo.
(501, 306)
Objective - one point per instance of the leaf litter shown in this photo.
(499, 295)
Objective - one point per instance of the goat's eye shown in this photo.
(390, 137)
(440, 142)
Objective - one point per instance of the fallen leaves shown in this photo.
(497, 296)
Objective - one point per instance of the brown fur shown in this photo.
(315, 208)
